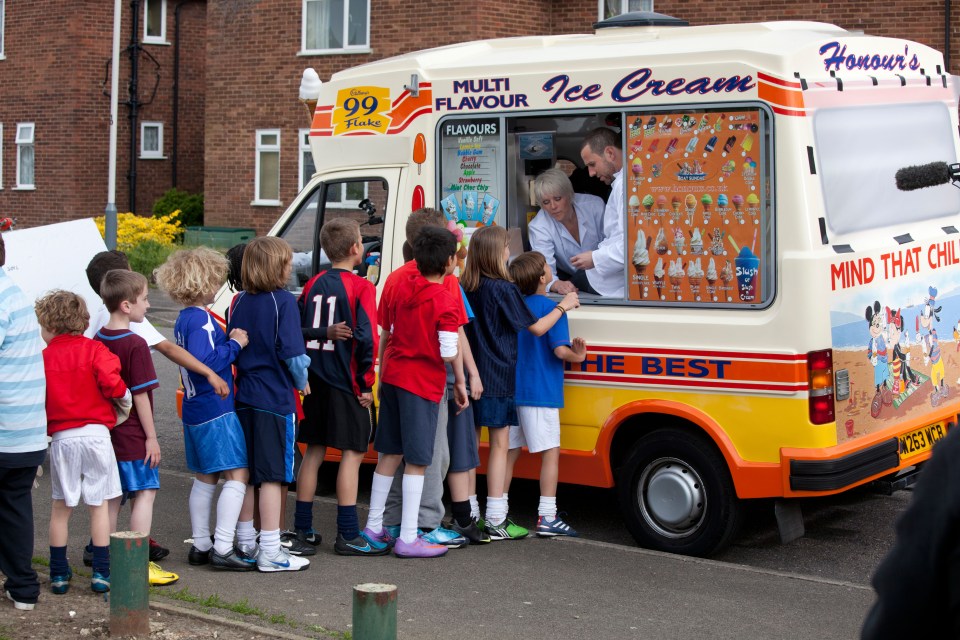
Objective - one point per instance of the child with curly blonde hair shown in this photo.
(213, 439)
(83, 380)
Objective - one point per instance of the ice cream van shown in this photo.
(790, 321)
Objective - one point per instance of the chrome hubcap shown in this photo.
(671, 497)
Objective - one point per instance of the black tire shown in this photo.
(697, 512)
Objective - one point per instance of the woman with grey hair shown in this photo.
(567, 224)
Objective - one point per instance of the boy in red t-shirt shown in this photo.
(134, 440)
(422, 318)
(83, 377)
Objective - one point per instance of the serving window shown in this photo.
(698, 224)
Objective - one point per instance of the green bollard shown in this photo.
(129, 584)
(375, 612)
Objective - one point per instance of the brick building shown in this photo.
(236, 85)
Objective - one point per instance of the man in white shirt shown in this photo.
(603, 156)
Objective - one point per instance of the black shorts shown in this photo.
(407, 425)
(334, 418)
(269, 439)
(461, 437)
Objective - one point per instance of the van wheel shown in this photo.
(676, 494)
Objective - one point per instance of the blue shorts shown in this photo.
(407, 425)
(495, 413)
(215, 445)
(269, 438)
(136, 475)
(461, 437)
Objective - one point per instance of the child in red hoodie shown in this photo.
(83, 385)
(420, 327)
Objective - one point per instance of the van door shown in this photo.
(368, 196)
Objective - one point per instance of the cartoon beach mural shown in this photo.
(895, 375)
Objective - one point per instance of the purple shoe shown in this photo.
(419, 548)
(383, 537)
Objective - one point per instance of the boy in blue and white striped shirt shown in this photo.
(23, 436)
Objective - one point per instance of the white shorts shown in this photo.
(538, 431)
(82, 463)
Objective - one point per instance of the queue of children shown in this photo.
(321, 350)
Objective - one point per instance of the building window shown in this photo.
(336, 25)
(3, 9)
(1, 154)
(25, 159)
(151, 140)
(307, 168)
(267, 170)
(155, 21)
(611, 8)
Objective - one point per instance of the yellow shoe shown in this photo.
(160, 577)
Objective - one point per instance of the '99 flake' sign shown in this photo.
(361, 109)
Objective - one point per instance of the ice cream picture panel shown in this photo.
(695, 206)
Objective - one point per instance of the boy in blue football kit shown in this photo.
(341, 377)
(539, 390)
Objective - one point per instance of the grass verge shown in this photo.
(244, 608)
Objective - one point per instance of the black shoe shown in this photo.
(197, 557)
(230, 562)
(471, 532)
(88, 555)
(359, 546)
(157, 553)
(294, 542)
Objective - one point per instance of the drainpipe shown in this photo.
(176, 90)
(946, 36)
(134, 102)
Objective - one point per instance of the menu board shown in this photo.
(470, 170)
(694, 214)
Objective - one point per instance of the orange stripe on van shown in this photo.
(406, 108)
(780, 96)
(322, 121)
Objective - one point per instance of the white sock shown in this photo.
(412, 491)
(228, 511)
(270, 542)
(548, 508)
(496, 510)
(378, 501)
(246, 534)
(506, 504)
(474, 507)
(201, 498)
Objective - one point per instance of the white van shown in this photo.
(789, 326)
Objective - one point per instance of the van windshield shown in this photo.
(859, 151)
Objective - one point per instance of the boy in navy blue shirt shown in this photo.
(341, 376)
(539, 390)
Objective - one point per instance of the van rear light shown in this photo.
(820, 386)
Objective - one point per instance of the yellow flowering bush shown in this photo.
(133, 230)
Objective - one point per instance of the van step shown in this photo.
(895, 482)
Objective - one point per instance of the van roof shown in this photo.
(763, 44)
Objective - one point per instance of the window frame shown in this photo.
(3, 23)
(624, 8)
(264, 148)
(20, 145)
(347, 48)
(152, 39)
(304, 146)
(146, 154)
(766, 181)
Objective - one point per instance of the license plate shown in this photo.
(921, 440)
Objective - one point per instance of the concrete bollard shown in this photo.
(375, 612)
(129, 584)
